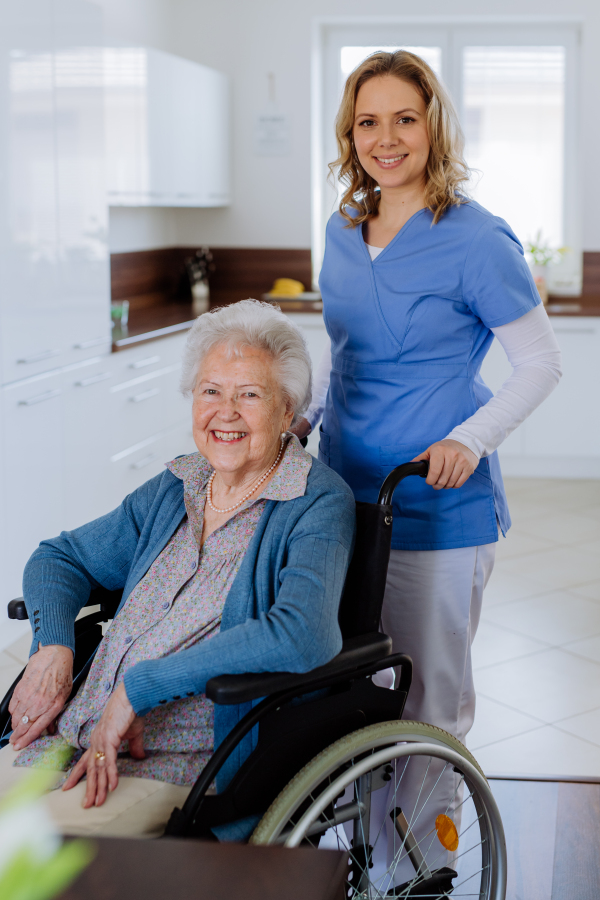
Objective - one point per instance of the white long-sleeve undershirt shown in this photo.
(533, 352)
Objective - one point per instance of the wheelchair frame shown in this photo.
(338, 698)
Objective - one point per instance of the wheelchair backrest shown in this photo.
(362, 598)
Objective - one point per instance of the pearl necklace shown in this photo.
(250, 492)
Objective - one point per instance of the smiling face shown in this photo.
(390, 132)
(239, 412)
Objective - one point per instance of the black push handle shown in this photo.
(394, 478)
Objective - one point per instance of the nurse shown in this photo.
(416, 281)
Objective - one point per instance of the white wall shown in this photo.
(247, 40)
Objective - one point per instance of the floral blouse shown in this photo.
(178, 603)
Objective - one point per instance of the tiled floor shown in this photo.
(537, 652)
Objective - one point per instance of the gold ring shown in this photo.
(100, 755)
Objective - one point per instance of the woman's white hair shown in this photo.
(251, 323)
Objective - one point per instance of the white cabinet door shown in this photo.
(567, 424)
(162, 133)
(31, 332)
(167, 130)
(126, 131)
(32, 473)
(83, 269)
(210, 144)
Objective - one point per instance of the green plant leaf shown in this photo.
(26, 879)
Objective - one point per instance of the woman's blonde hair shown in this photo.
(446, 170)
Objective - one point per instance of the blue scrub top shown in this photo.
(409, 332)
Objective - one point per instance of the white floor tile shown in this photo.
(560, 567)
(506, 586)
(495, 722)
(545, 751)
(494, 644)
(586, 726)
(591, 590)
(549, 685)
(588, 647)
(592, 511)
(562, 528)
(518, 543)
(9, 669)
(19, 650)
(554, 618)
(525, 507)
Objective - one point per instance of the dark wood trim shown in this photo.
(591, 273)
(154, 277)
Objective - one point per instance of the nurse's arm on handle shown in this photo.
(533, 352)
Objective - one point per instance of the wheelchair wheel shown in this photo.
(348, 798)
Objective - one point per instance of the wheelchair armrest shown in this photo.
(107, 600)
(356, 653)
(16, 609)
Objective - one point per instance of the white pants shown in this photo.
(431, 611)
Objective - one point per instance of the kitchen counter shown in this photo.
(152, 323)
(160, 321)
(157, 321)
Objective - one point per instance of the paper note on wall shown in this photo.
(272, 134)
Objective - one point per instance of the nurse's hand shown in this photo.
(450, 464)
(302, 428)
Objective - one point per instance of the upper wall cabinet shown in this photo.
(167, 130)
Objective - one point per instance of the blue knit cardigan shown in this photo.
(280, 614)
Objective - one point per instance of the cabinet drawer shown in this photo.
(143, 404)
(132, 466)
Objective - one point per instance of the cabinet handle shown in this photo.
(144, 461)
(145, 395)
(45, 354)
(40, 398)
(93, 379)
(141, 363)
(94, 342)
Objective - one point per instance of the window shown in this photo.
(515, 90)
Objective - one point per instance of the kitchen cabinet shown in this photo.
(561, 438)
(82, 213)
(167, 130)
(32, 473)
(574, 406)
(54, 269)
(76, 440)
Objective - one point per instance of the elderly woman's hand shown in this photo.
(450, 464)
(118, 723)
(41, 694)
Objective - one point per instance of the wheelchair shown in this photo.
(333, 752)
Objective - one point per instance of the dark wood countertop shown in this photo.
(149, 323)
(153, 322)
(197, 870)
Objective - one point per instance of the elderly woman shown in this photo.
(232, 560)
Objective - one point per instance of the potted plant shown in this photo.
(199, 267)
(541, 255)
